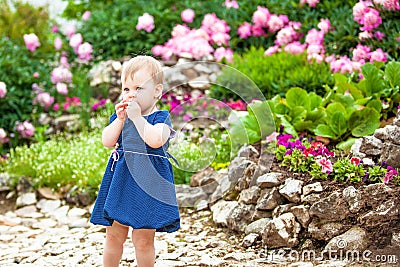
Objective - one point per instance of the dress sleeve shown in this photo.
(164, 117)
(113, 117)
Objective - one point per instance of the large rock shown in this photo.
(387, 211)
(302, 215)
(281, 232)
(269, 199)
(355, 239)
(354, 199)
(240, 217)
(270, 179)
(330, 209)
(291, 190)
(326, 231)
(250, 195)
(188, 196)
(221, 211)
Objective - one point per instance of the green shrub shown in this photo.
(22, 19)
(274, 75)
(62, 161)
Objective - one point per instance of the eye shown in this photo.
(126, 89)
(139, 88)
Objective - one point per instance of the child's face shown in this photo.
(142, 90)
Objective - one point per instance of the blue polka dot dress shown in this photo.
(138, 184)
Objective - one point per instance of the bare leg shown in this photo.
(114, 244)
(143, 240)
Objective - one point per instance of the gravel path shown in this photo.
(55, 235)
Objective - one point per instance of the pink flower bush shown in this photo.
(326, 165)
(44, 100)
(75, 41)
(70, 31)
(231, 4)
(324, 25)
(378, 55)
(3, 136)
(61, 74)
(31, 41)
(371, 20)
(361, 53)
(187, 15)
(35, 75)
(237, 105)
(58, 43)
(272, 50)
(3, 90)
(390, 174)
(99, 104)
(85, 52)
(62, 88)
(223, 52)
(145, 22)
(276, 23)
(25, 129)
(261, 17)
(244, 30)
(295, 48)
(86, 15)
(311, 3)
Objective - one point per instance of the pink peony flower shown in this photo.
(31, 41)
(361, 53)
(257, 31)
(70, 31)
(295, 48)
(223, 52)
(44, 100)
(62, 88)
(35, 75)
(85, 51)
(324, 25)
(365, 35)
(231, 4)
(145, 22)
(3, 136)
(58, 43)
(391, 5)
(220, 38)
(275, 23)
(244, 30)
(285, 36)
(379, 35)
(86, 15)
(61, 74)
(76, 41)
(326, 165)
(3, 90)
(311, 3)
(187, 15)
(315, 37)
(25, 129)
(54, 29)
(180, 30)
(261, 17)
(378, 55)
(272, 50)
(370, 20)
(360, 9)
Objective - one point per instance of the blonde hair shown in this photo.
(131, 66)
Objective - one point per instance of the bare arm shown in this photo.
(153, 135)
(111, 133)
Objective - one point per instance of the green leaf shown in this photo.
(315, 100)
(297, 97)
(338, 123)
(333, 107)
(368, 122)
(263, 120)
(392, 73)
(375, 104)
(303, 125)
(346, 145)
(298, 114)
(373, 79)
(281, 109)
(325, 130)
(288, 127)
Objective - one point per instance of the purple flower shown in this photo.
(390, 174)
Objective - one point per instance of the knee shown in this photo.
(143, 243)
(115, 238)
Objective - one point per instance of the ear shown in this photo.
(158, 91)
